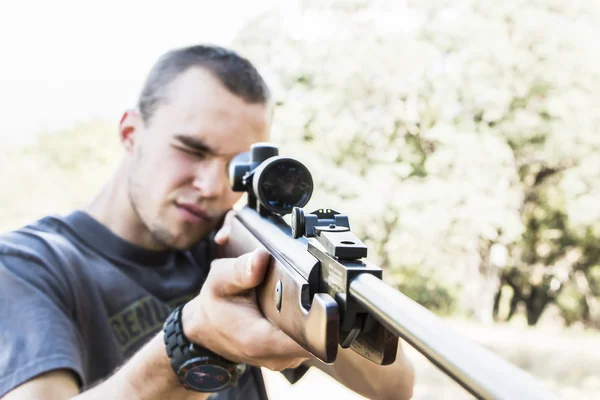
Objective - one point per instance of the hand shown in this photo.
(225, 317)
(222, 235)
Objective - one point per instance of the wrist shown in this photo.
(196, 367)
(195, 325)
(147, 375)
(192, 322)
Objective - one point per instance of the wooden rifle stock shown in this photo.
(284, 295)
(300, 298)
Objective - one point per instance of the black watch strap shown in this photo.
(177, 345)
(196, 367)
(180, 349)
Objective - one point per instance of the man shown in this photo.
(83, 297)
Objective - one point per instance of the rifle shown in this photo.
(323, 293)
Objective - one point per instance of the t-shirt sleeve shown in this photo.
(37, 328)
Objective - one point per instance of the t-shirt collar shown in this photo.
(102, 239)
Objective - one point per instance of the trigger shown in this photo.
(356, 328)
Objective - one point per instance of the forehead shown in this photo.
(197, 104)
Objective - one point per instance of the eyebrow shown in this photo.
(195, 143)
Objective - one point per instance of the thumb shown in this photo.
(236, 276)
(222, 235)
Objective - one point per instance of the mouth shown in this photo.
(193, 213)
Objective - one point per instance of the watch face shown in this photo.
(207, 378)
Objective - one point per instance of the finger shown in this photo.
(222, 235)
(232, 277)
(273, 342)
(282, 346)
(276, 350)
(264, 344)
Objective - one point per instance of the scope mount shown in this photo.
(331, 229)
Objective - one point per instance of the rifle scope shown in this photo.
(274, 184)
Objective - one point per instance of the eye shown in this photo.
(200, 155)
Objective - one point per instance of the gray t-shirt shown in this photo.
(74, 295)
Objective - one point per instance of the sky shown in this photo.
(65, 61)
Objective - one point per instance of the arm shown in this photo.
(53, 385)
(373, 381)
(224, 318)
(148, 375)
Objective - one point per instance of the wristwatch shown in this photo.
(196, 367)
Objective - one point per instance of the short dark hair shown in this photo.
(236, 73)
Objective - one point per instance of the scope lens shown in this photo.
(284, 185)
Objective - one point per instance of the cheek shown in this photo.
(232, 198)
(227, 199)
(164, 175)
(177, 173)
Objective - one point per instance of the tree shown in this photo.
(57, 172)
(464, 136)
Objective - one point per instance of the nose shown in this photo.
(211, 178)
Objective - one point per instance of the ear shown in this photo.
(130, 126)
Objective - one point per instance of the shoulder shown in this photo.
(38, 240)
(37, 295)
(38, 253)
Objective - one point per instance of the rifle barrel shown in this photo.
(480, 371)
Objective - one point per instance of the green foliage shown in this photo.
(570, 303)
(463, 136)
(429, 292)
(57, 172)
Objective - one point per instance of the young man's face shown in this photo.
(178, 183)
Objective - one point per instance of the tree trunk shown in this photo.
(536, 303)
(497, 298)
(514, 302)
(516, 296)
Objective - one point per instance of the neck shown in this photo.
(112, 208)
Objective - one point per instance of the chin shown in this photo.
(181, 238)
(189, 237)
(181, 244)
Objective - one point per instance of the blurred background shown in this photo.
(462, 137)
